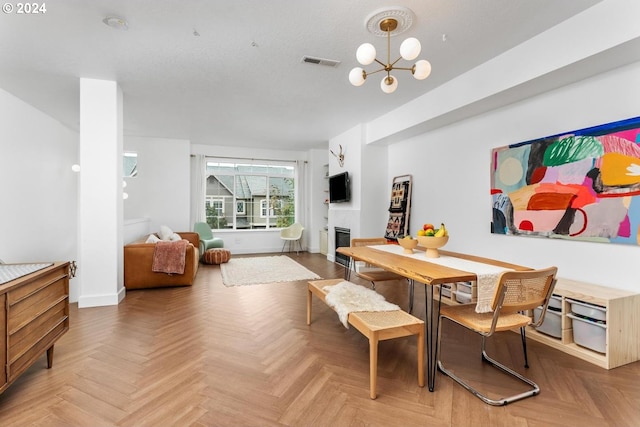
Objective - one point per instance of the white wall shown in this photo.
(160, 191)
(39, 191)
(317, 184)
(100, 204)
(450, 167)
(374, 210)
(346, 214)
(134, 229)
(366, 214)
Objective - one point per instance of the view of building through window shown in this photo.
(249, 195)
(130, 164)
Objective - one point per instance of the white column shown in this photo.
(100, 201)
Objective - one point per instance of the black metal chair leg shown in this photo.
(411, 293)
(524, 346)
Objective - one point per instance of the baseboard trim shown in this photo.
(86, 301)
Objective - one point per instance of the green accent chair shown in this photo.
(207, 241)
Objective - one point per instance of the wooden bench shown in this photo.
(376, 326)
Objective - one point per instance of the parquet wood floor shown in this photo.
(209, 355)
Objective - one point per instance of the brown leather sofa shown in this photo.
(138, 259)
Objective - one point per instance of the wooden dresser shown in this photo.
(35, 313)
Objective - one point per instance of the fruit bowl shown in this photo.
(408, 244)
(432, 244)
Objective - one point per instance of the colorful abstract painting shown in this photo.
(580, 185)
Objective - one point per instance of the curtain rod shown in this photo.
(245, 158)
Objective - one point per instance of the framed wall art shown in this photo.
(399, 208)
(579, 185)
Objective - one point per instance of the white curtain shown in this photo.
(198, 182)
(302, 198)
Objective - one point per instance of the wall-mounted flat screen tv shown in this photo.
(339, 188)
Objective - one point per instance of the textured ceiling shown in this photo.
(241, 80)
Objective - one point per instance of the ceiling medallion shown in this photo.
(390, 22)
(403, 16)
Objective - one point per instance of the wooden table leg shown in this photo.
(373, 364)
(421, 358)
(49, 357)
(309, 303)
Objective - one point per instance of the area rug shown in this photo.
(262, 270)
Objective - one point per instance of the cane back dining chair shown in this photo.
(517, 292)
(376, 274)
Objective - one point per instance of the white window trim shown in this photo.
(263, 208)
(213, 200)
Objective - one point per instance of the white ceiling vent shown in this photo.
(320, 61)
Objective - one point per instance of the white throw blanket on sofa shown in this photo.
(346, 297)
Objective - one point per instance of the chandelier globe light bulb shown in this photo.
(366, 54)
(389, 84)
(410, 49)
(357, 76)
(421, 70)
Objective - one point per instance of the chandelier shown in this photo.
(387, 21)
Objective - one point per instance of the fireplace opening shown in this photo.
(343, 239)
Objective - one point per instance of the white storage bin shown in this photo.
(463, 298)
(555, 302)
(588, 310)
(464, 287)
(589, 334)
(552, 324)
(445, 290)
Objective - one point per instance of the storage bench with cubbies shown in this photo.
(594, 323)
(458, 292)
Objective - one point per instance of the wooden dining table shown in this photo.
(428, 272)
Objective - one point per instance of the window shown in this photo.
(130, 165)
(263, 208)
(275, 207)
(215, 207)
(241, 207)
(250, 195)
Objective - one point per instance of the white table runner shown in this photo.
(487, 274)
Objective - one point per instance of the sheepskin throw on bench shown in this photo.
(346, 297)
